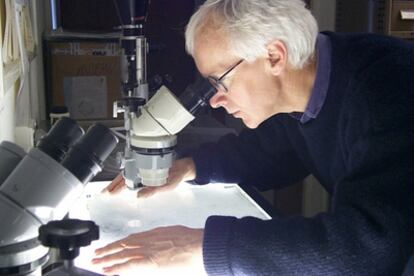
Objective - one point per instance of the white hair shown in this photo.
(250, 25)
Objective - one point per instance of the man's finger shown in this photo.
(110, 248)
(120, 256)
(110, 258)
(119, 188)
(147, 192)
(115, 185)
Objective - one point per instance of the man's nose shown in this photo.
(218, 100)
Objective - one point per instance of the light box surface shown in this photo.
(189, 205)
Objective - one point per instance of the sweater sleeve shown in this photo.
(256, 157)
(369, 230)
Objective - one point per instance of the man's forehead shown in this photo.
(213, 66)
(212, 56)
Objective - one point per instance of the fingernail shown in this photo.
(142, 192)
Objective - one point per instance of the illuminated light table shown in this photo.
(190, 205)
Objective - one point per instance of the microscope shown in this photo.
(41, 186)
(150, 126)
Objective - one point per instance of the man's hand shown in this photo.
(116, 186)
(174, 249)
(181, 170)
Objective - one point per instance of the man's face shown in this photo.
(252, 91)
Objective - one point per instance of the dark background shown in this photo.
(164, 29)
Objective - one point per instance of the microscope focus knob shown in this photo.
(68, 235)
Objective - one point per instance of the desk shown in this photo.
(189, 205)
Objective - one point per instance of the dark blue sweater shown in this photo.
(361, 149)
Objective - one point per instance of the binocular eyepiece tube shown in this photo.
(82, 155)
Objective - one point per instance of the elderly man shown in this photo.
(337, 106)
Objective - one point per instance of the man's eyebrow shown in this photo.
(223, 67)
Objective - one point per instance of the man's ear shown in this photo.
(276, 56)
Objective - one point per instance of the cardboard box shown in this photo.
(85, 77)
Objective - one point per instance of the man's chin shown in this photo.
(250, 123)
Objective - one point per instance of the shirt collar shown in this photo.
(321, 85)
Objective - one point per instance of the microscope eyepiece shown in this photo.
(60, 138)
(85, 159)
(197, 95)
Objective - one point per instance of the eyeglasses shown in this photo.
(217, 83)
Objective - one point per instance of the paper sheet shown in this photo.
(86, 96)
(189, 205)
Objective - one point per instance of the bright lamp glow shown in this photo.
(188, 205)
